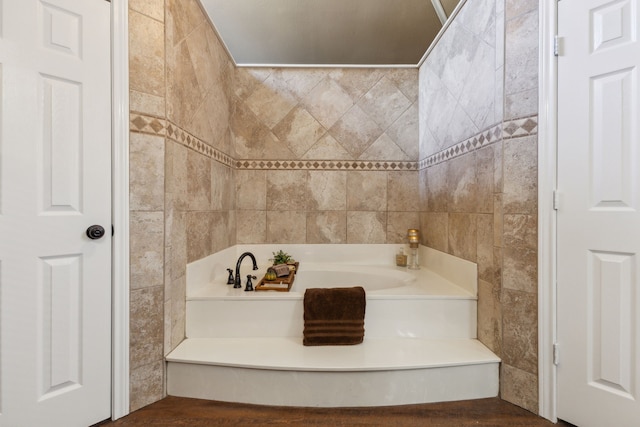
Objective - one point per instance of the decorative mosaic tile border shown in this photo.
(360, 165)
(512, 129)
(161, 127)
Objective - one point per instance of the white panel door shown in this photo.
(598, 216)
(55, 182)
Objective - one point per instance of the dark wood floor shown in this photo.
(175, 411)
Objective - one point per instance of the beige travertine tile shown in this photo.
(490, 316)
(520, 269)
(405, 133)
(222, 187)
(176, 240)
(246, 80)
(436, 231)
(519, 387)
(327, 102)
(327, 148)
(485, 175)
(177, 179)
(497, 220)
(328, 190)
(147, 385)
(146, 54)
(521, 104)
(403, 191)
(217, 110)
(398, 223)
(485, 247)
(168, 347)
(514, 8)
(205, 65)
(384, 149)
(462, 184)
(355, 131)
(178, 308)
(146, 326)
(366, 191)
(520, 330)
(326, 227)
(251, 227)
(270, 102)
(497, 267)
(521, 53)
(182, 17)
(146, 172)
(184, 95)
(141, 102)
(219, 231)
(287, 190)
(384, 103)
(286, 226)
(520, 175)
(251, 189)
(198, 238)
(298, 81)
(463, 236)
(366, 227)
(438, 191)
(147, 249)
(299, 130)
(406, 79)
(498, 168)
(254, 140)
(199, 181)
(151, 8)
(356, 82)
(520, 231)
(423, 185)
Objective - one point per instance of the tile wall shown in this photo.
(181, 173)
(325, 155)
(478, 173)
(221, 156)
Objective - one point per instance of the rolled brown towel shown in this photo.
(334, 316)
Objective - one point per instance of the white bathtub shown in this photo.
(420, 332)
(400, 302)
(342, 276)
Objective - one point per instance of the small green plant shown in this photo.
(281, 257)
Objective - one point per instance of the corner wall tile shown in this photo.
(146, 249)
(463, 236)
(520, 330)
(519, 387)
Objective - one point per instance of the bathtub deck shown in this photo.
(380, 371)
(288, 353)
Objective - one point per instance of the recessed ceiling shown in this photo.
(328, 32)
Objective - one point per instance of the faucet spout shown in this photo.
(242, 257)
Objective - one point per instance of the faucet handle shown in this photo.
(230, 280)
(249, 287)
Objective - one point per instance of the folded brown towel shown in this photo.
(334, 316)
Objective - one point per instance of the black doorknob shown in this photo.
(95, 232)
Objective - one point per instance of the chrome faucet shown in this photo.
(255, 267)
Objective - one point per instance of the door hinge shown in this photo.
(556, 354)
(557, 45)
(556, 200)
(113, 231)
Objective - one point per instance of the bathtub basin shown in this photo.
(342, 276)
